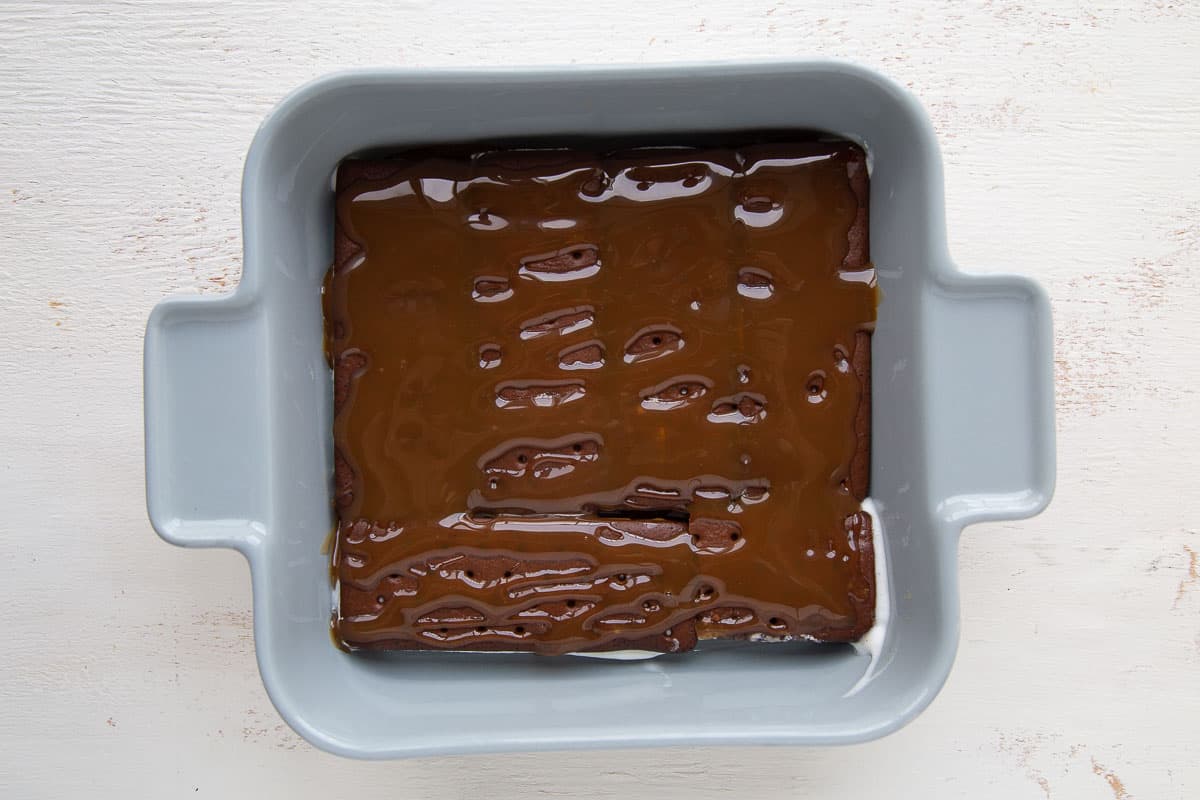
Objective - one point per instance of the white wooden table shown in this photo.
(1071, 142)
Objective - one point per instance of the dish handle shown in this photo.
(206, 470)
(991, 398)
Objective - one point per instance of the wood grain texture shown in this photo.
(1070, 139)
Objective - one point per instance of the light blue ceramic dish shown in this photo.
(238, 448)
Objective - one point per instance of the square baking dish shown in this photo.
(238, 415)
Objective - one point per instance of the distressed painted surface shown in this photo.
(1070, 139)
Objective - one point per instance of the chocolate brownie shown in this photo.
(589, 401)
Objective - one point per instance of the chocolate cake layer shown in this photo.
(593, 401)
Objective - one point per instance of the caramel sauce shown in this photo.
(588, 401)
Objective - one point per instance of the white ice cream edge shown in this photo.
(872, 642)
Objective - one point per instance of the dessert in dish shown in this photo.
(593, 401)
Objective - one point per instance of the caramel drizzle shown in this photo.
(398, 583)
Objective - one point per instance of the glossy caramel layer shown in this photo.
(589, 401)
